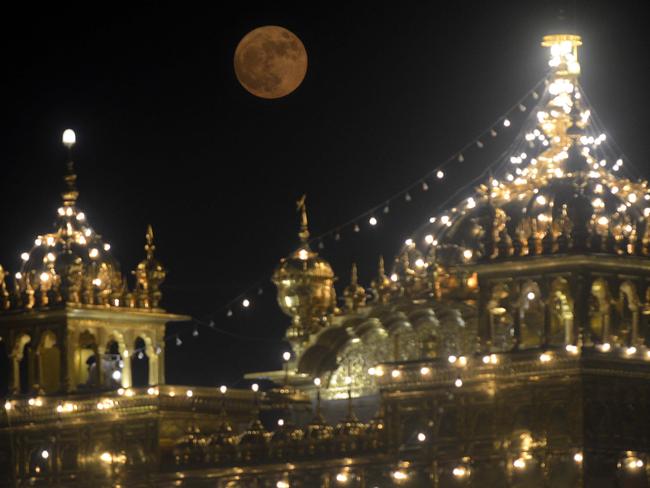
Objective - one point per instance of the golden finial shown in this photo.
(149, 247)
(304, 228)
(354, 295)
(70, 194)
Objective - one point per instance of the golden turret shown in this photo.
(305, 284)
(354, 295)
(381, 286)
(149, 275)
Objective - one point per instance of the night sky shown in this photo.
(167, 136)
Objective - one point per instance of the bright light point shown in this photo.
(255, 387)
(530, 295)
(81, 216)
(371, 371)
(61, 211)
(541, 199)
(106, 457)
(394, 277)
(467, 254)
(342, 477)
(452, 359)
(69, 211)
(429, 238)
(303, 254)
(486, 359)
(116, 375)
(603, 220)
(462, 361)
(545, 357)
(408, 242)
(460, 471)
(45, 454)
(422, 437)
(317, 381)
(372, 221)
(286, 355)
(577, 457)
(425, 371)
(444, 219)
(471, 203)
(8, 405)
(630, 350)
(223, 389)
(93, 253)
(245, 303)
(69, 138)
(506, 123)
(379, 371)
(24, 256)
(151, 390)
(419, 263)
(572, 349)
(280, 422)
(458, 383)
(282, 484)
(19, 276)
(519, 463)
(97, 282)
(396, 373)
(348, 380)
(440, 175)
(605, 347)
(400, 475)
(107, 247)
(45, 277)
(189, 393)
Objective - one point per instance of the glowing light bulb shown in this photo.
(530, 295)
(93, 253)
(396, 373)
(422, 437)
(419, 263)
(372, 221)
(545, 357)
(541, 199)
(246, 303)
(24, 256)
(452, 359)
(460, 472)
(45, 454)
(116, 375)
(97, 282)
(303, 254)
(69, 138)
(317, 381)
(605, 347)
(107, 247)
(19, 275)
(189, 393)
(578, 457)
(286, 355)
(394, 277)
(506, 122)
(425, 370)
(255, 387)
(408, 242)
(429, 238)
(572, 349)
(630, 350)
(519, 463)
(342, 477)
(440, 175)
(458, 383)
(45, 277)
(467, 254)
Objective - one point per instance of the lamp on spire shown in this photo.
(69, 138)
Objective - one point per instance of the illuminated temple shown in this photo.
(505, 346)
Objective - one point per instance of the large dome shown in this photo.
(73, 264)
(559, 190)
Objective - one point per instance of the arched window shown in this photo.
(49, 357)
(627, 326)
(599, 311)
(561, 313)
(86, 370)
(502, 330)
(531, 316)
(112, 365)
(23, 364)
(140, 363)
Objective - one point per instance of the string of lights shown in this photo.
(527, 139)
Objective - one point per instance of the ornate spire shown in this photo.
(150, 275)
(304, 224)
(149, 247)
(70, 194)
(354, 295)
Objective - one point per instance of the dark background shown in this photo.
(167, 136)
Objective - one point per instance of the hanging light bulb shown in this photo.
(356, 228)
(229, 313)
(386, 209)
(195, 332)
(493, 133)
(425, 187)
(407, 197)
(522, 107)
(245, 303)
(440, 174)
(506, 122)
(372, 221)
(179, 342)
(479, 144)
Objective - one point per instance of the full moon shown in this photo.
(270, 62)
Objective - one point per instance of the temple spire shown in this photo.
(70, 194)
(149, 247)
(304, 224)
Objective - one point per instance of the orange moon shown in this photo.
(270, 62)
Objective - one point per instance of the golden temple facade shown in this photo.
(506, 347)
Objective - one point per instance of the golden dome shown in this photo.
(73, 264)
(305, 284)
(559, 193)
